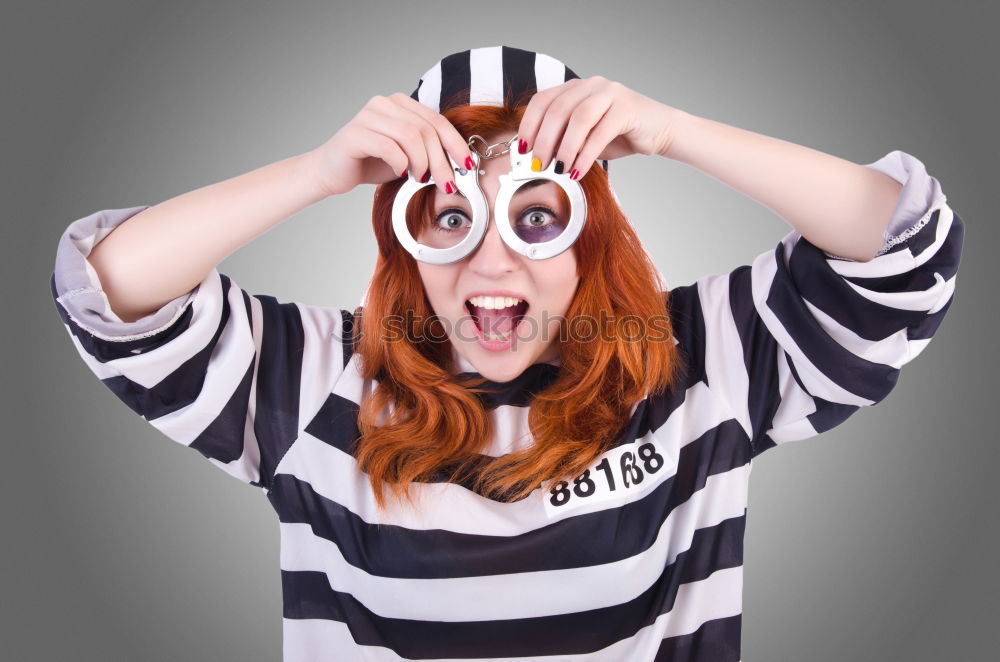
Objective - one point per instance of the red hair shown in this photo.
(422, 422)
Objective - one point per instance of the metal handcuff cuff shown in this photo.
(444, 246)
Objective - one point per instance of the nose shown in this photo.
(493, 257)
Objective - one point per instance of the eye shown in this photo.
(538, 217)
(451, 219)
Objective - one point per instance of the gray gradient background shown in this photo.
(874, 541)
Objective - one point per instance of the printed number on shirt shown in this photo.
(620, 471)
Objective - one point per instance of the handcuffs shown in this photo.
(461, 242)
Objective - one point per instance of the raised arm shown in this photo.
(841, 207)
(166, 250)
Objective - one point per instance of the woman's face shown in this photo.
(545, 288)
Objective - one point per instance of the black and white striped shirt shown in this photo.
(640, 559)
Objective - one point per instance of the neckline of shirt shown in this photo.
(520, 390)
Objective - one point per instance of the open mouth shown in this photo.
(496, 317)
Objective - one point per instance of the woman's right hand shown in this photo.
(388, 137)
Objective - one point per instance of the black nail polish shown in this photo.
(559, 167)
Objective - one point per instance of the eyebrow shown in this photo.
(532, 184)
(524, 188)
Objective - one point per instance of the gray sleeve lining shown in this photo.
(79, 290)
(920, 196)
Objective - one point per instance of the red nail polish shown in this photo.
(469, 163)
(575, 174)
(522, 146)
(449, 187)
(426, 178)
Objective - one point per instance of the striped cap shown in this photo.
(488, 76)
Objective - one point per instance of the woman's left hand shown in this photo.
(585, 119)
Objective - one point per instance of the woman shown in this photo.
(561, 492)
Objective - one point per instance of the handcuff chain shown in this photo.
(489, 148)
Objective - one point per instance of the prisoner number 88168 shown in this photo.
(607, 476)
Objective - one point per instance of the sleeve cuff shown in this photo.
(77, 288)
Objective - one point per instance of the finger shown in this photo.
(582, 122)
(452, 141)
(556, 119)
(384, 148)
(531, 120)
(606, 130)
(438, 168)
(404, 133)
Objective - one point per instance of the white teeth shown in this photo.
(494, 303)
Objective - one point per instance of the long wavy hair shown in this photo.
(423, 423)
